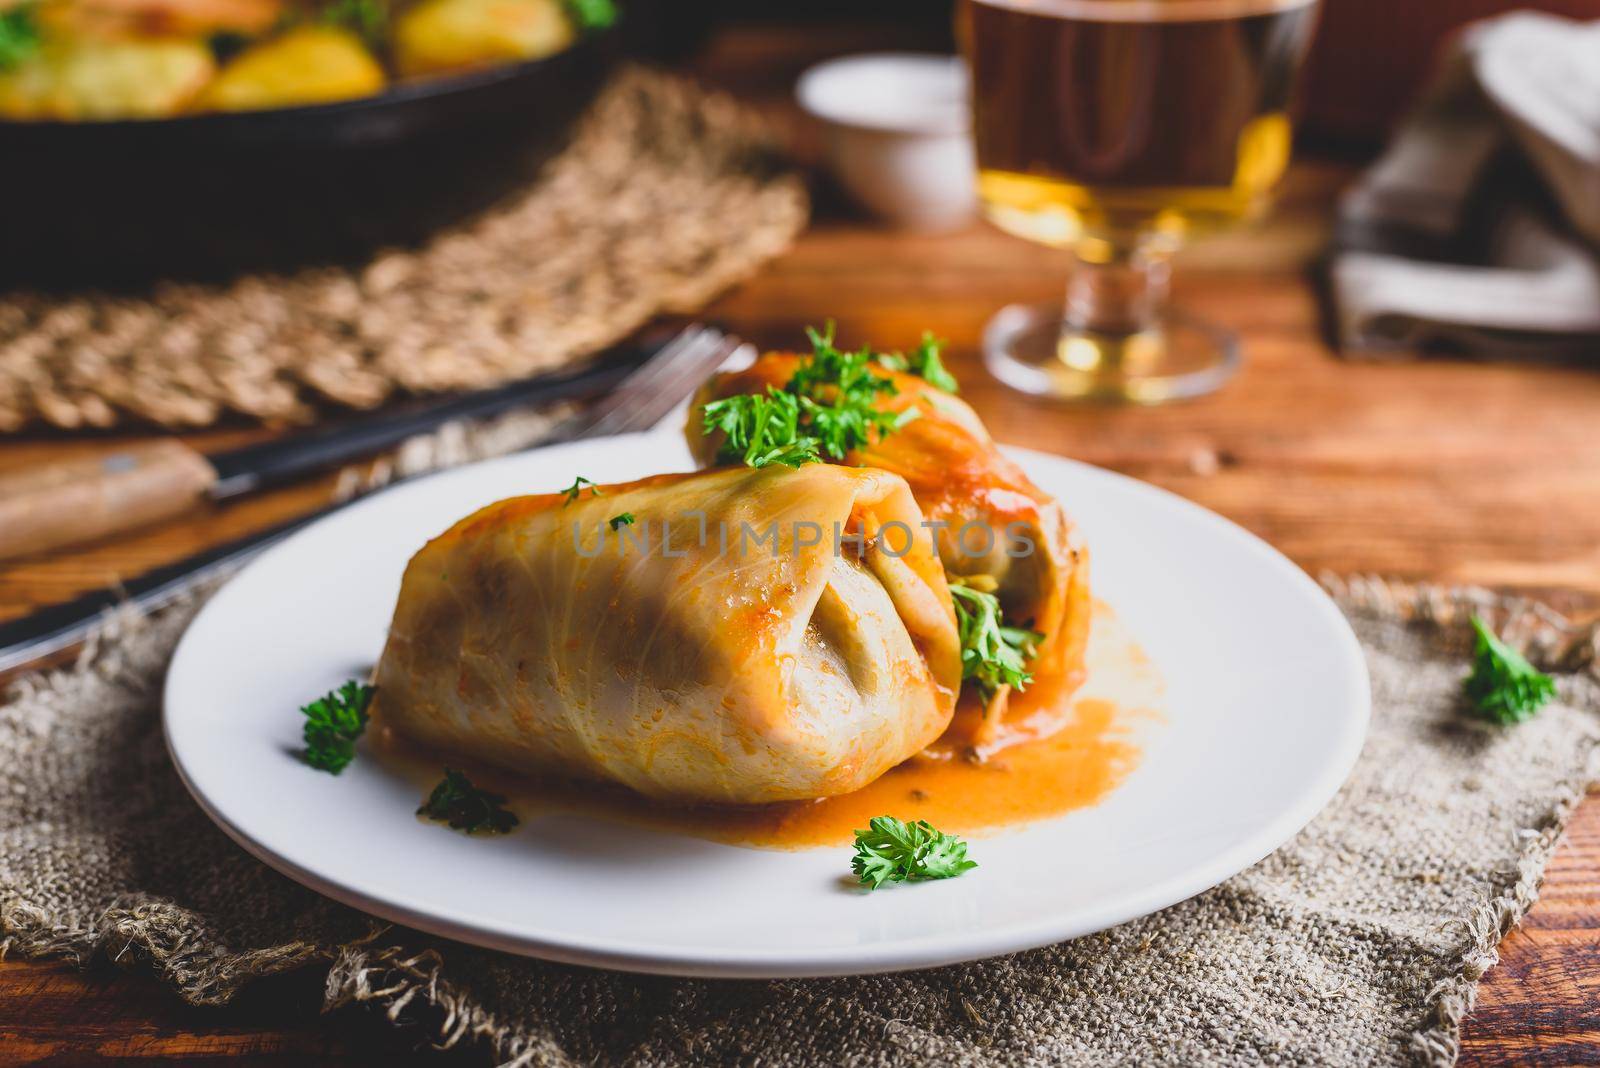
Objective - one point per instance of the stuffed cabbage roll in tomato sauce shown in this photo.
(734, 636)
(1031, 556)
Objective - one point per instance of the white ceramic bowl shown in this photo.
(898, 134)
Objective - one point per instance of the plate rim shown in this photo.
(862, 959)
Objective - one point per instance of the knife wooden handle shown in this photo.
(74, 501)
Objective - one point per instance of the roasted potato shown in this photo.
(87, 78)
(307, 65)
(446, 35)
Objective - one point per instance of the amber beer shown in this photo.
(1102, 118)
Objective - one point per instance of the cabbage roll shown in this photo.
(1031, 556)
(695, 637)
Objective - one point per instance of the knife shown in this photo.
(648, 390)
(58, 505)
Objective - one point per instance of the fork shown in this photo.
(640, 402)
(649, 395)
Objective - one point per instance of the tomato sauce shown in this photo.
(1058, 751)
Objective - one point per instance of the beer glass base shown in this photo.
(1031, 349)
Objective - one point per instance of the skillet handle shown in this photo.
(62, 504)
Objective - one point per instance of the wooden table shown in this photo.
(1441, 470)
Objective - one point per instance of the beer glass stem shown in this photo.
(1115, 291)
(1113, 337)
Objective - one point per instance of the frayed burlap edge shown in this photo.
(128, 648)
(1552, 642)
(391, 979)
(163, 937)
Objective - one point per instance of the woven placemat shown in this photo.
(666, 196)
(1358, 943)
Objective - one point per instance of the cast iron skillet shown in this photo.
(209, 195)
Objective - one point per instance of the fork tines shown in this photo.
(645, 397)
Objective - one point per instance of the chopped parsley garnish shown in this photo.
(465, 807)
(894, 361)
(760, 429)
(891, 851)
(333, 723)
(572, 491)
(592, 15)
(992, 654)
(369, 19)
(19, 34)
(1503, 687)
(826, 409)
(924, 363)
(619, 521)
(828, 365)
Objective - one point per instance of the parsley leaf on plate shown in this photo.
(465, 807)
(1504, 687)
(333, 723)
(891, 851)
(992, 654)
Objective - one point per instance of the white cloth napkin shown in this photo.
(1479, 227)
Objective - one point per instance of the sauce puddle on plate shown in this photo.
(1059, 753)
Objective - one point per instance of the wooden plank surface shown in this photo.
(1440, 470)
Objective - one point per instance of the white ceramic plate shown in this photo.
(1267, 703)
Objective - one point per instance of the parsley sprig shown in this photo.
(925, 363)
(617, 522)
(20, 36)
(760, 429)
(1503, 687)
(465, 807)
(333, 723)
(828, 408)
(892, 851)
(839, 393)
(992, 654)
(572, 491)
(591, 15)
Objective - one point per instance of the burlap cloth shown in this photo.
(1360, 942)
(666, 196)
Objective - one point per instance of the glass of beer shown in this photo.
(1118, 130)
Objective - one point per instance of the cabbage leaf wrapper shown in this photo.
(722, 647)
(992, 524)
